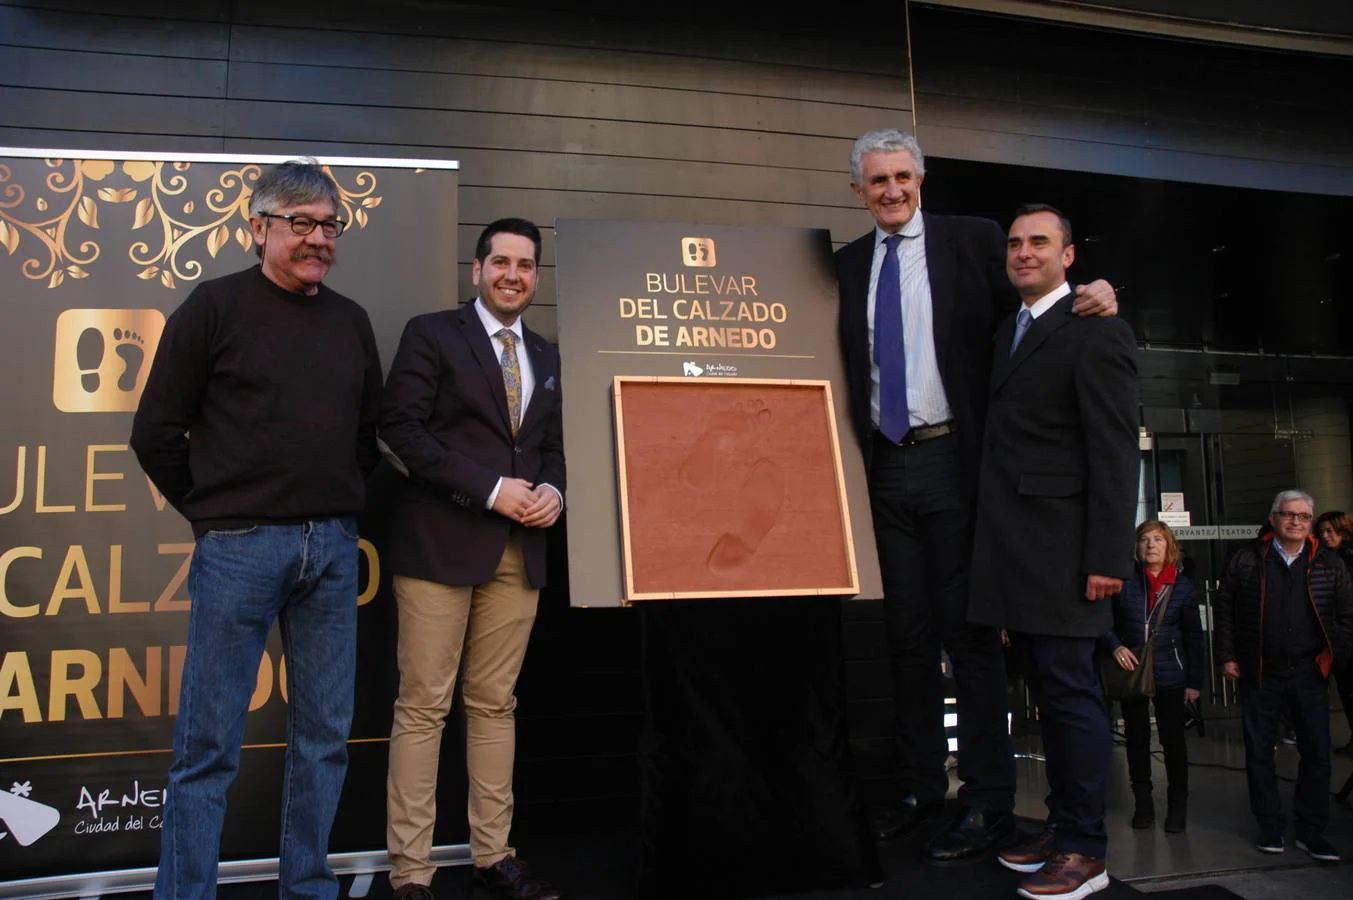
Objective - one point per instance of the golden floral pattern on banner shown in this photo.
(181, 225)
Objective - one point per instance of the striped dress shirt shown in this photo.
(926, 401)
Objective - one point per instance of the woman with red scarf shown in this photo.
(1158, 605)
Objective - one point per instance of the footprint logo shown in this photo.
(130, 349)
(89, 356)
(728, 443)
(102, 358)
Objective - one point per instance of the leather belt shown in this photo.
(920, 433)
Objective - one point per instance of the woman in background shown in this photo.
(1335, 530)
(1177, 639)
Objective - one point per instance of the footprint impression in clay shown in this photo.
(728, 441)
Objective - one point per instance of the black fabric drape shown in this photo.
(748, 785)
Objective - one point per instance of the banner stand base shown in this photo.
(87, 885)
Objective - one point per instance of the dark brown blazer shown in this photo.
(444, 416)
(1057, 496)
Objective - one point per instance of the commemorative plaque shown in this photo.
(731, 488)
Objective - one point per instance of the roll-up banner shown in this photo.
(96, 250)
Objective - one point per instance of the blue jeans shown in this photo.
(304, 575)
(1304, 694)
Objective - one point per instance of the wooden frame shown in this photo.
(731, 487)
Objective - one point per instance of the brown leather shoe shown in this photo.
(1030, 855)
(414, 892)
(1066, 876)
(507, 878)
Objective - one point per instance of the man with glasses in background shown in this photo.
(1285, 612)
(258, 424)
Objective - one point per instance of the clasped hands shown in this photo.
(533, 507)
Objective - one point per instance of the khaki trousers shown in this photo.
(491, 623)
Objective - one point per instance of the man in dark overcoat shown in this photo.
(1056, 500)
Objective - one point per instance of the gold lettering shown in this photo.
(115, 604)
(156, 497)
(749, 286)
(40, 491)
(263, 684)
(166, 602)
(92, 476)
(653, 281)
(123, 677)
(76, 565)
(81, 687)
(18, 481)
(7, 606)
(373, 572)
(177, 653)
(17, 690)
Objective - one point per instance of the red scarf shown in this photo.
(1154, 584)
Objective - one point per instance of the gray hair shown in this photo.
(293, 183)
(1289, 496)
(884, 140)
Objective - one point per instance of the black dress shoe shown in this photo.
(970, 834)
(899, 820)
(508, 879)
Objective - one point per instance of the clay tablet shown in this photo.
(731, 488)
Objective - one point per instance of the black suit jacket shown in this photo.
(444, 415)
(969, 293)
(1058, 494)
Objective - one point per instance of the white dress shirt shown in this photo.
(926, 401)
(493, 326)
(1046, 302)
(528, 377)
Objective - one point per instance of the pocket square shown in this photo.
(549, 383)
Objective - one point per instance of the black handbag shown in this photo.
(1120, 684)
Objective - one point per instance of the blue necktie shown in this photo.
(1022, 323)
(889, 351)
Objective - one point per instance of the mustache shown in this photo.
(321, 254)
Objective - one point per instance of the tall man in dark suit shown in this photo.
(1055, 507)
(921, 295)
(472, 412)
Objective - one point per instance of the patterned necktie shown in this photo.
(1022, 323)
(511, 376)
(889, 350)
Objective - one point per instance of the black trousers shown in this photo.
(1343, 680)
(1304, 694)
(1062, 677)
(1169, 703)
(923, 524)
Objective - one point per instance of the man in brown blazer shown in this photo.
(472, 412)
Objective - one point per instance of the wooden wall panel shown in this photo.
(119, 113)
(70, 70)
(418, 52)
(197, 30)
(746, 36)
(517, 96)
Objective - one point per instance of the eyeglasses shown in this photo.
(303, 225)
(1293, 516)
